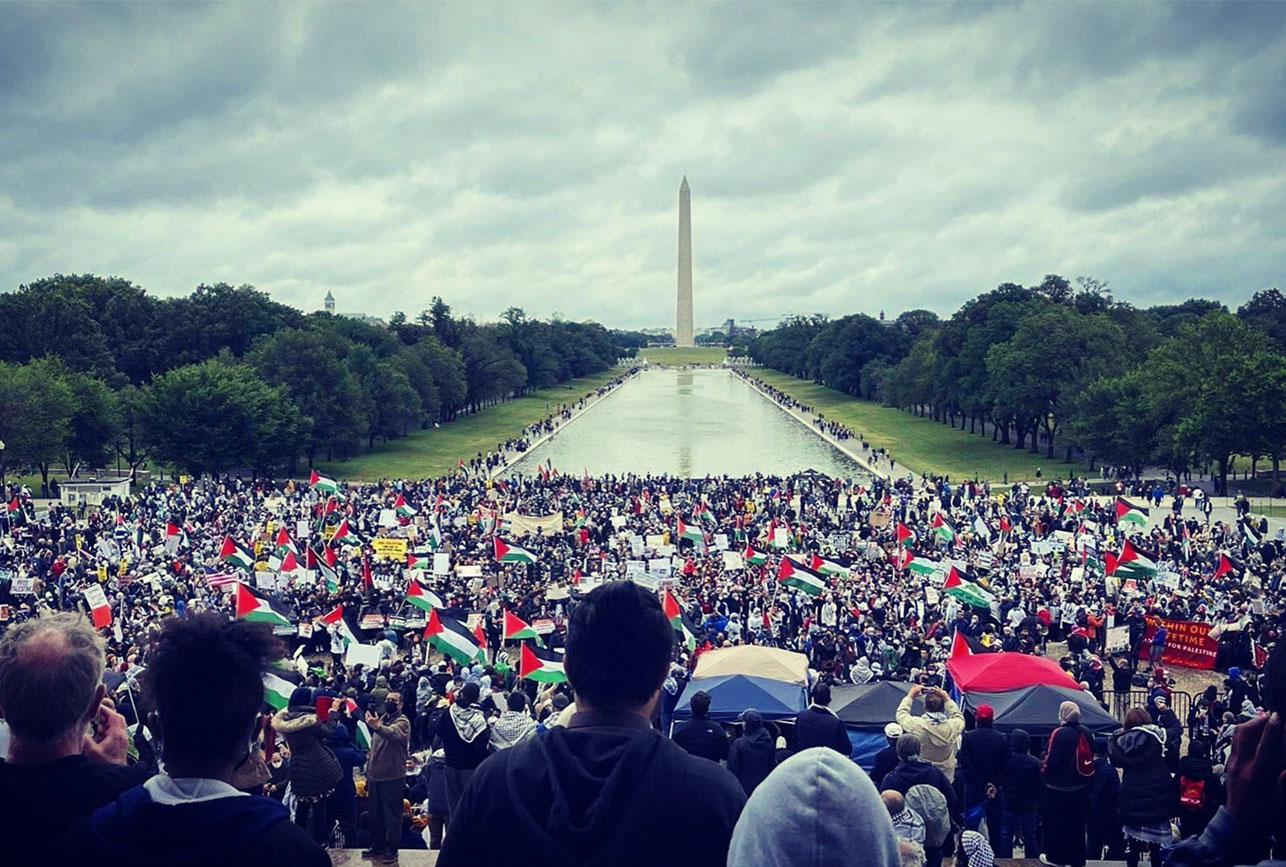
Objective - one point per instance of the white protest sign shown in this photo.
(636, 546)
(1118, 638)
(441, 563)
(22, 586)
(635, 568)
(732, 561)
(721, 541)
(659, 566)
(655, 540)
(388, 518)
(302, 529)
(618, 521)
(367, 655)
(472, 570)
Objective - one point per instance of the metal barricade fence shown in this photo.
(1120, 702)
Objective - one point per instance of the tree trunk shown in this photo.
(1003, 429)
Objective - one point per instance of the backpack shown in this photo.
(928, 802)
(1084, 756)
(1192, 794)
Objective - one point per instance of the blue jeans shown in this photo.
(1019, 825)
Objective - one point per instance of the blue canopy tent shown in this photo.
(865, 709)
(730, 694)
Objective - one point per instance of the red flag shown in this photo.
(1225, 566)
(367, 582)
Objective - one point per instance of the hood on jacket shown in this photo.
(759, 737)
(815, 808)
(1138, 743)
(293, 720)
(1019, 742)
(137, 830)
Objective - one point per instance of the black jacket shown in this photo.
(594, 794)
(885, 761)
(702, 737)
(1105, 788)
(982, 756)
(1061, 768)
(751, 757)
(908, 774)
(819, 727)
(1148, 794)
(248, 831)
(1196, 768)
(42, 801)
(1020, 778)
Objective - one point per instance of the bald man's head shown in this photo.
(893, 801)
(50, 671)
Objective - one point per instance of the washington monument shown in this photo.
(683, 328)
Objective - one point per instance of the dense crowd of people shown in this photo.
(413, 747)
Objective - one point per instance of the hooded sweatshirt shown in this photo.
(816, 809)
(596, 792)
(1149, 795)
(145, 828)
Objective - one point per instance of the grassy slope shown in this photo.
(425, 454)
(692, 355)
(918, 443)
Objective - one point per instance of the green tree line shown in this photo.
(94, 369)
(1071, 368)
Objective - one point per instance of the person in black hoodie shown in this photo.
(1065, 773)
(981, 760)
(1020, 780)
(752, 756)
(607, 788)
(1102, 827)
(1200, 790)
(699, 735)
(205, 679)
(465, 737)
(1149, 798)
(818, 726)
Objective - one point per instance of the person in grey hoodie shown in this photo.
(816, 809)
(752, 755)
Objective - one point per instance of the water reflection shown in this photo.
(689, 423)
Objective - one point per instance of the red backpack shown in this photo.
(1192, 794)
(1084, 757)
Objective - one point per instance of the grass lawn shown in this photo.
(672, 355)
(431, 453)
(919, 443)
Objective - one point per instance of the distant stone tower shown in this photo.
(330, 303)
(683, 327)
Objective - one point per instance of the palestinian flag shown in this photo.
(512, 553)
(1250, 534)
(679, 620)
(966, 591)
(540, 665)
(236, 554)
(980, 529)
(344, 536)
(1187, 545)
(942, 528)
(326, 568)
(702, 513)
(258, 608)
(826, 567)
(402, 509)
(921, 566)
(904, 536)
(1127, 512)
(319, 482)
(1131, 564)
(175, 537)
(276, 691)
(754, 556)
(516, 629)
(1225, 566)
(800, 577)
(425, 600)
(959, 646)
(335, 618)
(283, 547)
(451, 637)
(775, 540)
(363, 738)
(691, 533)
(1094, 567)
(433, 541)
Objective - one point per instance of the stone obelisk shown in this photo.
(683, 327)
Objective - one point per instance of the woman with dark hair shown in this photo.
(314, 770)
(1149, 798)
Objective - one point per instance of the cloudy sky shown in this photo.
(842, 157)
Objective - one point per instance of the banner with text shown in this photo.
(1187, 643)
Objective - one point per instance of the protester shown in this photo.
(907, 824)
(1200, 789)
(514, 725)
(752, 756)
(465, 738)
(386, 776)
(314, 770)
(815, 810)
(887, 758)
(1102, 824)
(939, 728)
(1021, 784)
(1065, 773)
(601, 789)
(191, 815)
(67, 744)
(908, 779)
(701, 736)
(982, 756)
(818, 726)
(1148, 799)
